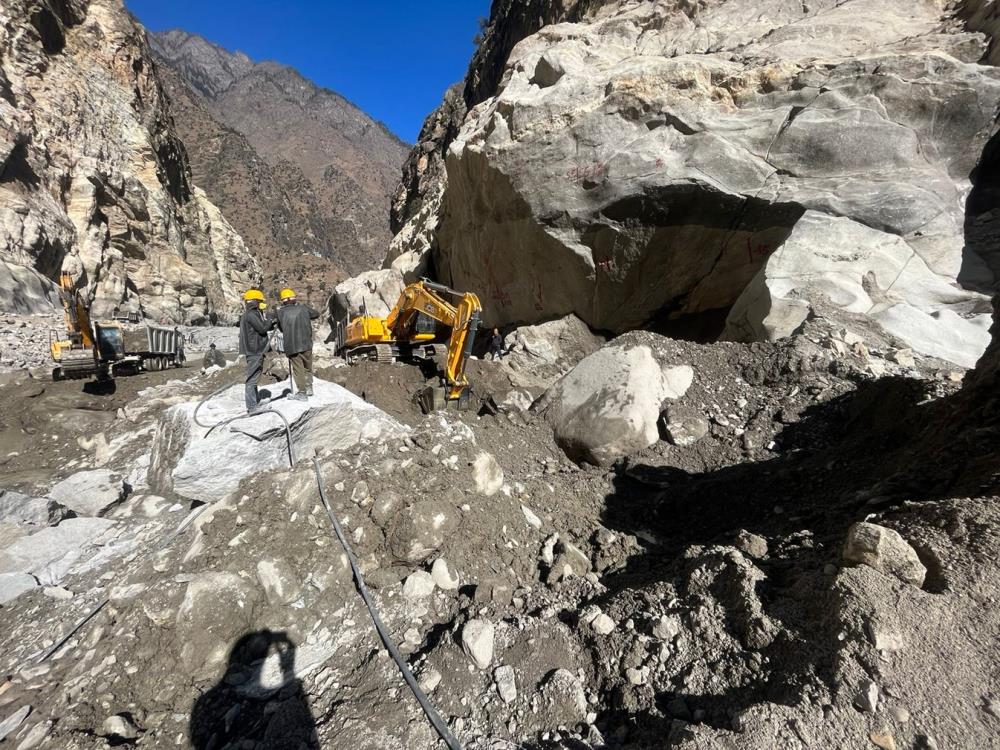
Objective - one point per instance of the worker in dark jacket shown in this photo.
(295, 322)
(253, 343)
(496, 345)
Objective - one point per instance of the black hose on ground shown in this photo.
(404, 669)
(101, 604)
(211, 427)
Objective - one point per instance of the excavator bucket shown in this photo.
(435, 398)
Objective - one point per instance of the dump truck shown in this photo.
(104, 350)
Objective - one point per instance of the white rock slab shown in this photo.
(207, 465)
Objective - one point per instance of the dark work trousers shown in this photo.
(255, 366)
(302, 371)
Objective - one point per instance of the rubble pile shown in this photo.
(24, 340)
(769, 566)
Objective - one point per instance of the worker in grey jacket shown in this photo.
(295, 322)
(253, 344)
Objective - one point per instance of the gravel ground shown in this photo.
(690, 596)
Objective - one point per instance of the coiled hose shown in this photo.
(211, 427)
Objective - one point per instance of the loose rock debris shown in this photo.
(758, 585)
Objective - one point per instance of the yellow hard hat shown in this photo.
(287, 294)
(253, 294)
(263, 305)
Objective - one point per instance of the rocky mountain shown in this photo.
(718, 167)
(323, 173)
(93, 178)
(273, 208)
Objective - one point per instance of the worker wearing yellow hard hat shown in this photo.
(253, 343)
(295, 322)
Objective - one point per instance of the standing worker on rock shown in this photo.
(253, 343)
(295, 323)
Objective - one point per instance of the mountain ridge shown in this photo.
(343, 164)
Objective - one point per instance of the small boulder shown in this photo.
(530, 517)
(487, 474)
(667, 627)
(884, 550)
(602, 624)
(564, 696)
(429, 679)
(607, 407)
(417, 533)
(683, 426)
(23, 510)
(503, 678)
(494, 589)
(444, 577)
(90, 493)
(12, 585)
(418, 585)
(867, 697)
(477, 642)
(751, 544)
(119, 727)
(279, 581)
(12, 722)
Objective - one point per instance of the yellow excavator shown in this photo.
(421, 318)
(103, 350)
(88, 350)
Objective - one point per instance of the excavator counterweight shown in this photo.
(421, 318)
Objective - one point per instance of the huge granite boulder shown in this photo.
(207, 463)
(647, 161)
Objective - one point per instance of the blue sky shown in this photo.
(393, 58)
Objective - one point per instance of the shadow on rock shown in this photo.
(258, 702)
(740, 555)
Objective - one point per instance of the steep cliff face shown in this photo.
(648, 162)
(94, 180)
(334, 166)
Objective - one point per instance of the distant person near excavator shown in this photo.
(295, 323)
(253, 344)
(213, 357)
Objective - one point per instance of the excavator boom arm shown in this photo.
(426, 298)
(77, 317)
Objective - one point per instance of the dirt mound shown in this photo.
(692, 595)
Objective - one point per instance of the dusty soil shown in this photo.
(734, 621)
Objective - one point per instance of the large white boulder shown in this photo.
(49, 553)
(639, 161)
(608, 405)
(374, 291)
(566, 338)
(207, 464)
(867, 271)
